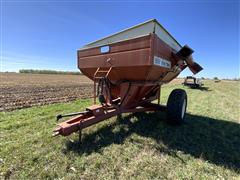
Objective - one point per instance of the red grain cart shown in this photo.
(128, 69)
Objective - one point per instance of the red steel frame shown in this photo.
(92, 117)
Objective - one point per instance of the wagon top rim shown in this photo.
(107, 39)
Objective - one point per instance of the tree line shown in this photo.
(34, 71)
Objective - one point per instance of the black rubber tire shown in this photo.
(176, 109)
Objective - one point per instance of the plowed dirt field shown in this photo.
(25, 90)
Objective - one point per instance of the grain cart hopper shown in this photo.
(128, 69)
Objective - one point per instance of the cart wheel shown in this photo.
(176, 106)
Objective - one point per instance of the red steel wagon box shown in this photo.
(128, 69)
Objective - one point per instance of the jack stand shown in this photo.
(80, 136)
(80, 133)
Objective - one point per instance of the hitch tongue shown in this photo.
(56, 132)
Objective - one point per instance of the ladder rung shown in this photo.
(102, 71)
(98, 77)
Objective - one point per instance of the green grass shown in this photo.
(139, 146)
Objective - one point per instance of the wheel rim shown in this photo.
(184, 107)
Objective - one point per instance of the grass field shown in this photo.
(139, 146)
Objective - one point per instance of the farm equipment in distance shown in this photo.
(192, 82)
(127, 70)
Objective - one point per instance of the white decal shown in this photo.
(162, 62)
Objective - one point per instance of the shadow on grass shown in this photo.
(201, 88)
(216, 141)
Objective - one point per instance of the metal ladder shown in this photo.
(100, 73)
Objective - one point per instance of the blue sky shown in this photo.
(47, 34)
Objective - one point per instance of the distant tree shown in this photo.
(32, 71)
(236, 79)
(215, 78)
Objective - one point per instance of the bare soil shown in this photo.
(25, 90)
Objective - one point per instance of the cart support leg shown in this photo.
(94, 92)
(80, 136)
